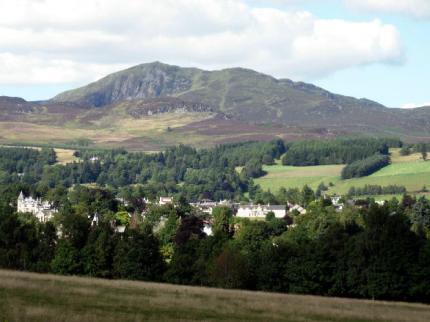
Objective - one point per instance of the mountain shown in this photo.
(245, 95)
(153, 105)
(240, 93)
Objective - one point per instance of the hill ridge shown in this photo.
(139, 106)
(243, 93)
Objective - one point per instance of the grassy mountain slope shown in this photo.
(246, 95)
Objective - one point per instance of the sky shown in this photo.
(377, 49)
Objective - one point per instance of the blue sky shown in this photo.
(376, 49)
(394, 84)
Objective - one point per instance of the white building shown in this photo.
(43, 210)
(96, 220)
(165, 201)
(207, 229)
(260, 211)
(298, 208)
(206, 206)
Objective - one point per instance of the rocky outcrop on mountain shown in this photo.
(243, 95)
(152, 106)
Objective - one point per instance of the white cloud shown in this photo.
(27, 69)
(416, 8)
(414, 105)
(59, 41)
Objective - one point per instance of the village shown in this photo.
(45, 211)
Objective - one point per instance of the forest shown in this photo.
(363, 251)
(365, 167)
(196, 174)
(371, 251)
(338, 151)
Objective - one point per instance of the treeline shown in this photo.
(21, 164)
(238, 154)
(207, 173)
(375, 252)
(338, 151)
(421, 147)
(365, 167)
(373, 190)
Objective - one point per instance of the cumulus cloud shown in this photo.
(29, 69)
(60, 41)
(416, 8)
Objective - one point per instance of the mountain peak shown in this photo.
(138, 82)
(240, 93)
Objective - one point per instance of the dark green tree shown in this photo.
(137, 256)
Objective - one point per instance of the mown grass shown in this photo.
(290, 177)
(65, 156)
(409, 171)
(38, 297)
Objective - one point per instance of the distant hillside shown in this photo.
(151, 106)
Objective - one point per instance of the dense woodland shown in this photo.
(195, 174)
(365, 167)
(339, 151)
(379, 252)
(365, 251)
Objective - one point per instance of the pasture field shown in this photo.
(290, 177)
(409, 171)
(40, 297)
(65, 156)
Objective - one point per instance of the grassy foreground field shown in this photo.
(38, 297)
(409, 171)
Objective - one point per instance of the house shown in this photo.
(119, 229)
(123, 201)
(260, 211)
(207, 229)
(95, 220)
(298, 208)
(206, 206)
(165, 201)
(42, 210)
(336, 202)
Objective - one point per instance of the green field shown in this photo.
(39, 297)
(409, 171)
